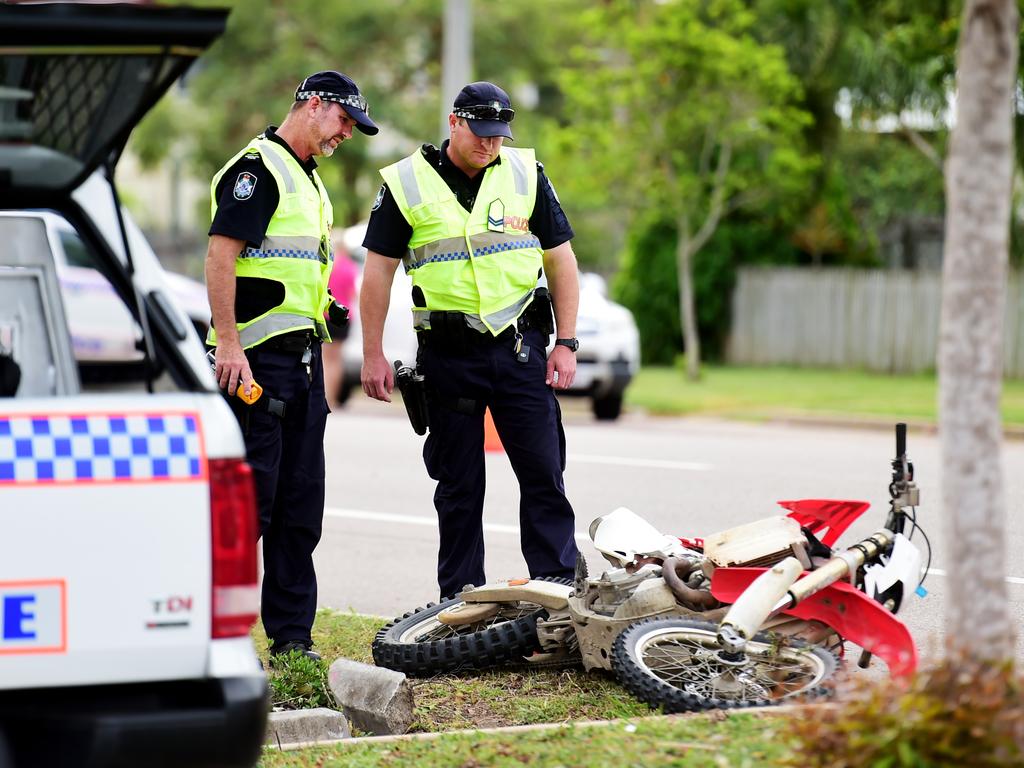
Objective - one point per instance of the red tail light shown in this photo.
(234, 532)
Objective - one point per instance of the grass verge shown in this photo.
(779, 392)
(736, 741)
(515, 696)
(511, 697)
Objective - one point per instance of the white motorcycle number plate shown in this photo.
(904, 564)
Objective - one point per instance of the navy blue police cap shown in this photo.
(334, 86)
(486, 108)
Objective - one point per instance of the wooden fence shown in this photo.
(879, 320)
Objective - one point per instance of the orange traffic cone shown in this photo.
(491, 440)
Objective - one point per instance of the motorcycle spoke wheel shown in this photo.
(420, 645)
(677, 664)
(430, 629)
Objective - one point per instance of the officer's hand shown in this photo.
(377, 377)
(232, 365)
(561, 367)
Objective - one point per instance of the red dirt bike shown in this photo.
(745, 617)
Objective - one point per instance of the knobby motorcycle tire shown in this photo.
(501, 643)
(635, 675)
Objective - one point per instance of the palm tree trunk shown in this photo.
(978, 185)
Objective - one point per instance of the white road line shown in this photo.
(428, 522)
(431, 522)
(388, 517)
(692, 466)
(1009, 579)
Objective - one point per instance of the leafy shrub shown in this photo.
(648, 284)
(956, 714)
(299, 682)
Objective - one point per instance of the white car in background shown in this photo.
(104, 336)
(607, 360)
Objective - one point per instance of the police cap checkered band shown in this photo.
(335, 86)
(356, 100)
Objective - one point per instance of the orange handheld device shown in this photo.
(255, 390)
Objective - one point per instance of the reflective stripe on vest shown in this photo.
(483, 263)
(295, 251)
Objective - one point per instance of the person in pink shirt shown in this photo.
(342, 285)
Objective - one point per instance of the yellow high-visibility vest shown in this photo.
(485, 262)
(295, 251)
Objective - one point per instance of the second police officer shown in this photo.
(475, 223)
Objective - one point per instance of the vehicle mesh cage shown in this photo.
(69, 93)
(78, 104)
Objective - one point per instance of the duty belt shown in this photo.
(465, 338)
(291, 343)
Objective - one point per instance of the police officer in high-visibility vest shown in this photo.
(267, 267)
(475, 223)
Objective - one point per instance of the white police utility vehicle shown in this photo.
(128, 572)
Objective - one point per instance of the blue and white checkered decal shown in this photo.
(109, 447)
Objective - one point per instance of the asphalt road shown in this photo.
(687, 477)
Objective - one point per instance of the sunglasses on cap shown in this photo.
(485, 112)
(352, 100)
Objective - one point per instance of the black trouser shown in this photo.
(287, 458)
(528, 420)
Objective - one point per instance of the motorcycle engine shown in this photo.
(618, 585)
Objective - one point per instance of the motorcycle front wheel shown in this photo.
(418, 644)
(678, 664)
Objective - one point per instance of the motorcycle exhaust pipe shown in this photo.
(673, 571)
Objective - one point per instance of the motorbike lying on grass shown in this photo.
(746, 617)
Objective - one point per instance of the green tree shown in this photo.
(681, 110)
(650, 255)
(392, 48)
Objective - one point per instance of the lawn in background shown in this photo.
(778, 392)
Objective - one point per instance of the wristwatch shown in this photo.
(572, 343)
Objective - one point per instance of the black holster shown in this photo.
(539, 315)
(413, 387)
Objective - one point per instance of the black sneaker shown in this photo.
(286, 648)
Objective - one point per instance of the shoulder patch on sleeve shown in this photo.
(244, 186)
(379, 199)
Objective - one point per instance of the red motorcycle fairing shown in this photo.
(843, 607)
(818, 514)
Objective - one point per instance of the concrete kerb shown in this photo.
(306, 727)
(786, 710)
(375, 699)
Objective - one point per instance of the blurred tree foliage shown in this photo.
(391, 48)
(682, 113)
(650, 256)
(834, 114)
